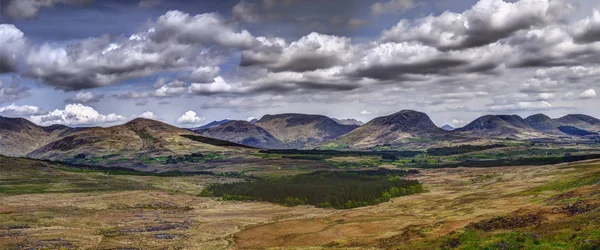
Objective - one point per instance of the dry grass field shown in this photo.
(544, 207)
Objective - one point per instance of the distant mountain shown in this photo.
(401, 127)
(139, 136)
(303, 131)
(213, 124)
(447, 127)
(542, 122)
(245, 133)
(253, 121)
(580, 121)
(19, 137)
(349, 122)
(490, 126)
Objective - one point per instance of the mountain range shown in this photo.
(407, 128)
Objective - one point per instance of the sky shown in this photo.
(105, 62)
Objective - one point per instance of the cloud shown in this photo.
(391, 7)
(590, 93)
(171, 89)
(204, 29)
(486, 22)
(27, 9)
(309, 53)
(12, 44)
(217, 86)
(204, 74)
(365, 112)
(13, 91)
(588, 29)
(190, 117)
(149, 115)
(76, 115)
(456, 122)
(176, 42)
(245, 12)
(24, 110)
(586, 94)
(85, 98)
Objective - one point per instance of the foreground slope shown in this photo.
(303, 131)
(19, 137)
(402, 127)
(140, 136)
(245, 133)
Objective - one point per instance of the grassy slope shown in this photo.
(42, 205)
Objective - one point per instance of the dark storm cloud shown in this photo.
(395, 71)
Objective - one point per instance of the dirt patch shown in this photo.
(512, 221)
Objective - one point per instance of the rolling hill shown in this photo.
(19, 137)
(303, 131)
(139, 136)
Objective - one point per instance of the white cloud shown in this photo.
(175, 88)
(586, 94)
(12, 44)
(24, 110)
(76, 115)
(149, 115)
(176, 42)
(458, 122)
(365, 112)
(218, 86)
(391, 6)
(590, 93)
(486, 22)
(545, 96)
(204, 29)
(204, 74)
(190, 117)
(311, 52)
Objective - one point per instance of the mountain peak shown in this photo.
(447, 127)
(541, 122)
(408, 120)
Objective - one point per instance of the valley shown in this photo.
(461, 208)
(498, 183)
